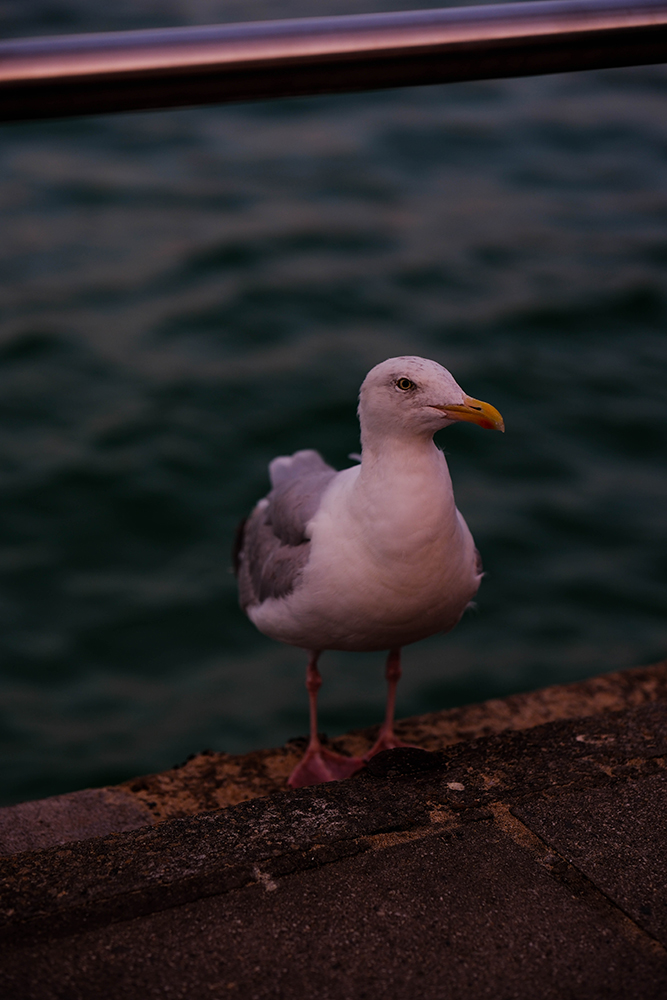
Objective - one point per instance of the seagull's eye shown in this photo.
(404, 384)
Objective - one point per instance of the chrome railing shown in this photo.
(171, 67)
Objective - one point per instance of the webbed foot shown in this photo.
(319, 764)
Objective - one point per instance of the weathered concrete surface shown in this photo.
(94, 812)
(616, 836)
(215, 780)
(523, 864)
(463, 914)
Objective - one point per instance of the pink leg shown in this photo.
(387, 739)
(319, 764)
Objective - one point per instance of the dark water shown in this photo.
(187, 294)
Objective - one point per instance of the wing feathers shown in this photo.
(272, 545)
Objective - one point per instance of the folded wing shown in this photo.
(271, 548)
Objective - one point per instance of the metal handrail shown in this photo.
(170, 67)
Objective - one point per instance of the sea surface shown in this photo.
(186, 294)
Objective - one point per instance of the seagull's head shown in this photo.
(418, 396)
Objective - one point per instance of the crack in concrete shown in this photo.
(563, 871)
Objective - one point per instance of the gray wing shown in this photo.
(272, 548)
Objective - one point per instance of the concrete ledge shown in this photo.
(216, 780)
(211, 781)
(526, 863)
(94, 812)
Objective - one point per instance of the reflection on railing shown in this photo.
(171, 67)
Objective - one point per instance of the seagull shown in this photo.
(373, 557)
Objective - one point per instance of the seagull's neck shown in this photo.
(400, 456)
(404, 483)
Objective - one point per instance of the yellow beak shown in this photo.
(474, 411)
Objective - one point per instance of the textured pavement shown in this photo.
(524, 864)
